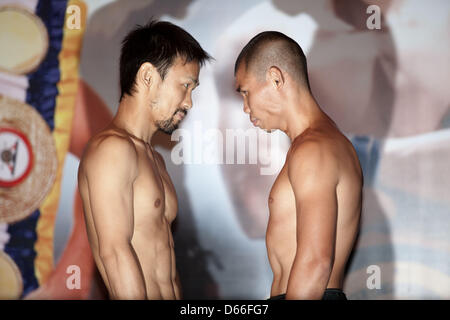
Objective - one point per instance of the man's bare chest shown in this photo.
(153, 191)
(281, 197)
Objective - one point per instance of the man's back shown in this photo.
(285, 222)
(129, 202)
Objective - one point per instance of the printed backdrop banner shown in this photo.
(49, 87)
(379, 69)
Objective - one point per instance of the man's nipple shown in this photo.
(157, 203)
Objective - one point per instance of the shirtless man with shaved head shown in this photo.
(315, 202)
(129, 200)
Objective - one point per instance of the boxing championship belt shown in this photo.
(39, 58)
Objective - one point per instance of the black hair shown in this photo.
(273, 48)
(157, 42)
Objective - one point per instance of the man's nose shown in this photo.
(246, 108)
(187, 103)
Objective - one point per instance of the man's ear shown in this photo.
(275, 77)
(146, 75)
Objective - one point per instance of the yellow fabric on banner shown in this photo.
(69, 57)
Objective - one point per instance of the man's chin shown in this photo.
(259, 125)
(266, 129)
(168, 127)
(169, 130)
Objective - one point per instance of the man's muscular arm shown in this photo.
(313, 175)
(111, 171)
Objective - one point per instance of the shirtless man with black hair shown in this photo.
(128, 198)
(315, 202)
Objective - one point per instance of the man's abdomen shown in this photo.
(281, 248)
(154, 250)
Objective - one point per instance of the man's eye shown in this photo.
(186, 85)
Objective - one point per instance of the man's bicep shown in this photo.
(316, 225)
(313, 179)
(110, 179)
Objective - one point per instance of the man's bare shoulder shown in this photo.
(329, 155)
(109, 147)
(312, 155)
(311, 148)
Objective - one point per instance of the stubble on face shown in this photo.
(186, 73)
(170, 125)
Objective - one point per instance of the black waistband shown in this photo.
(327, 293)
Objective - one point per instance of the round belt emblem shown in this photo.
(16, 157)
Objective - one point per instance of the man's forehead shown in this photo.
(240, 71)
(181, 60)
(187, 68)
(242, 77)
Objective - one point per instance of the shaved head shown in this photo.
(272, 48)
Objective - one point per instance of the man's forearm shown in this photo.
(308, 281)
(124, 273)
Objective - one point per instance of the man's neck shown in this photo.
(304, 113)
(133, 118)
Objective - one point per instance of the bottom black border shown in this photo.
(219, 309)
